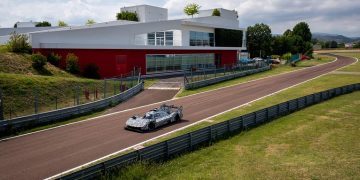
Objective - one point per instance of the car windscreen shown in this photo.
(148, 116)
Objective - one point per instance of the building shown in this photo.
(20, 28)
(26, 24)
(154, 44)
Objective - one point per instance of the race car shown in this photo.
(155, 118)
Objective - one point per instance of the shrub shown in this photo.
(43, 24)
(72, 64)
(286, 56)
(18, 43)
(38, 61)
(126, 15)
(91, 71)
(54, 59)
(216, 12)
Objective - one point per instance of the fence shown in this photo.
(193, 80)
(8, 126)
(27, 99)
(188, 142)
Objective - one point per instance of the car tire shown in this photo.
(177, 118)
(151, 126)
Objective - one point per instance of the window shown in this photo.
(176, 62)
(169, 38)
(161, 38)
(201, 39)
(151, 38)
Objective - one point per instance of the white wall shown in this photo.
(148, 13)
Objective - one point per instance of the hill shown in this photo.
(53, 87)
(334, 37)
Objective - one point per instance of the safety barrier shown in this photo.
(24, 122)
(188, 142)
(207, 82)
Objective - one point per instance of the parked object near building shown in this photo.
(155, 118)
(155, 44)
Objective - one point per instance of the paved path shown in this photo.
(169, 84)
(47, 153)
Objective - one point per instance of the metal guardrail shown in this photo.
(207, 82)
(57, 115)
(188, 142)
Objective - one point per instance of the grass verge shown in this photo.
(279, 69)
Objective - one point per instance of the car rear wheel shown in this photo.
(151, 126)
(177, 118)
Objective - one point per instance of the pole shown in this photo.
(1, 106)
(78, 95)
(104, 88)
(121, 83)
(35, 102)
(56, 102)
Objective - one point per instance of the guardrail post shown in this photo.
(210, 129)
(78, 95)
(266, 114)
(228, 127)
(167, 149)
(1, 105)
(190, 142)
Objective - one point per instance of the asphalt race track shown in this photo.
(43, 154)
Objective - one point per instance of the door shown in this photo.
(121, 64)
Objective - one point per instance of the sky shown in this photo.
(326, 16)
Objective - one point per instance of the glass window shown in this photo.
(201, 39)
(176, 62)
(169, 38)
(151, 38)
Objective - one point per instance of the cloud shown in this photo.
(330, 16)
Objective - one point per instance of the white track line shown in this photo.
(140, 144)
(97, 117)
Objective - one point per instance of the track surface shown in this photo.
(148, 96)
(47, 153)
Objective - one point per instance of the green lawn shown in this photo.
(186, 164)
(319, 59)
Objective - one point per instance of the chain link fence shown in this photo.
(195, 75)
(23, 102)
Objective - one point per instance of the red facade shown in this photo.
(114, 62)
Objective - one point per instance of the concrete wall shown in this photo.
(148, 13)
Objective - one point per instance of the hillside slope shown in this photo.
(52, 87)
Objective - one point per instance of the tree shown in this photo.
(216, 12)
(126, 15)
(72, 63)
(357, 45)
(259, 40)
(333, 44)
(62, 24)
(288, 32)
(302, 29)
(18, 43)
(54, 59)
(43, 24)
(192, 9)
(38, 61)
(90, 22)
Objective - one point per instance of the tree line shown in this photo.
(262, 43)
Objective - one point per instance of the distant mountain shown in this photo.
(334, 37)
